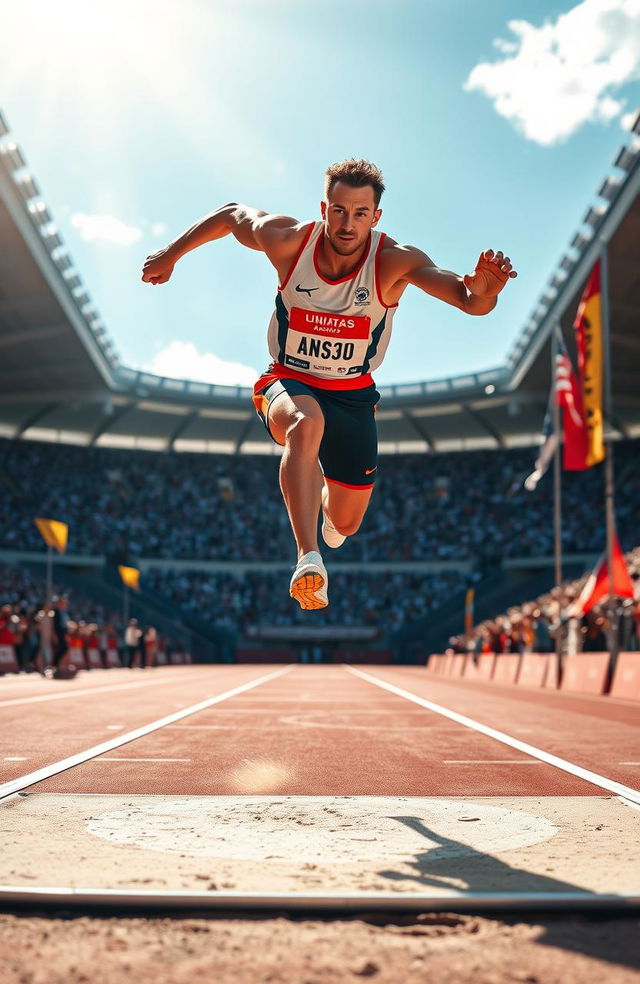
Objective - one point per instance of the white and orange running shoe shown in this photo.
(310, 582)
(330, 534)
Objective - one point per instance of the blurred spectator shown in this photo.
(60, 629)
(132, 637)
(44, 628)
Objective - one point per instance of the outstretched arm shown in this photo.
(474, 293)
(275, 235)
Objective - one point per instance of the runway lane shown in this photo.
(55, 719)
(319, 731)
(596, 733)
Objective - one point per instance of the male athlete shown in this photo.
(340, 281)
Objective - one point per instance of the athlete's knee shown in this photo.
(347, 525)
(305, 431)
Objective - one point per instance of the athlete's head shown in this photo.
(352, 194)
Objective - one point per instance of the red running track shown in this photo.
(315, 730)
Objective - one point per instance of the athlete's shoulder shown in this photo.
(401, 257)
(274, 226)
(281, 236)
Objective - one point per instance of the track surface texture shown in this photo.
(314, 779)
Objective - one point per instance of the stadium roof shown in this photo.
(61, 380)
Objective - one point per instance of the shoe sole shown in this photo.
(304, 590)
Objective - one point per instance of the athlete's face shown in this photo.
(349, 215)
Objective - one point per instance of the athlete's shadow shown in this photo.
(608, 936)
(455, 865)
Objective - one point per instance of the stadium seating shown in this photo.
(450, 506)
(468, 508)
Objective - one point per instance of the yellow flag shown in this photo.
(130, 576)
(54, 533)
(588, 329)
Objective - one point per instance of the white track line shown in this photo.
(129, 758)
(93, 690)
(490, 762)
(8, 788)
(559, 763)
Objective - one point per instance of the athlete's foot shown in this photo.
(330, 534)
(310, 582)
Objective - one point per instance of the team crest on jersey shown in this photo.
(362, 296)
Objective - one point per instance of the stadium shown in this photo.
(458, 613)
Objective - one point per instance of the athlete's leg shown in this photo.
(348, 455)
(345, 507)
(297, 422)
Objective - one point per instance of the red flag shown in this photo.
(597, 586)
(569, 397)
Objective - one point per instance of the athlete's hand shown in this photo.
(158, 267)
(490, 275)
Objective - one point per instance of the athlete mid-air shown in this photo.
(340, 281)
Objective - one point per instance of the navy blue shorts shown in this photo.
(349, 448)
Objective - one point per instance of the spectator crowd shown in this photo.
(383, 600)
(448, 506)
(462, 506)
(552, 623)
(41, 634)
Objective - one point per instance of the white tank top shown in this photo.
(335, 330)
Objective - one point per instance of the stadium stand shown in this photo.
(455, 506)
(449, 508)
(546, 625)
(464, 508)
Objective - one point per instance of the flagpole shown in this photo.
(608, 459)
(557, 464)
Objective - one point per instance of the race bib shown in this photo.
(331, 345)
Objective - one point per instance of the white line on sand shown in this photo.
(7, 788)
(559, 763)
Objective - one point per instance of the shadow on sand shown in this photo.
(453, 865)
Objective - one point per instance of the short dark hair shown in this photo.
(356, 174)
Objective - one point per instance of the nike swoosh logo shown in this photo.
(369, 471)
(306, 290)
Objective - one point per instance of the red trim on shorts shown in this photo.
(376, 276)
(277, 371)
(344, 485)
(342, 280)
(297, 257)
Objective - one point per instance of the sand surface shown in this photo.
(434, 948)
(317, 844)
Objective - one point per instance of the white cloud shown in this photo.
(106, 229)
(557, 77)
(181, 360)
(158, 229)
(626, 121)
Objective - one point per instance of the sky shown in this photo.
(494, 125)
